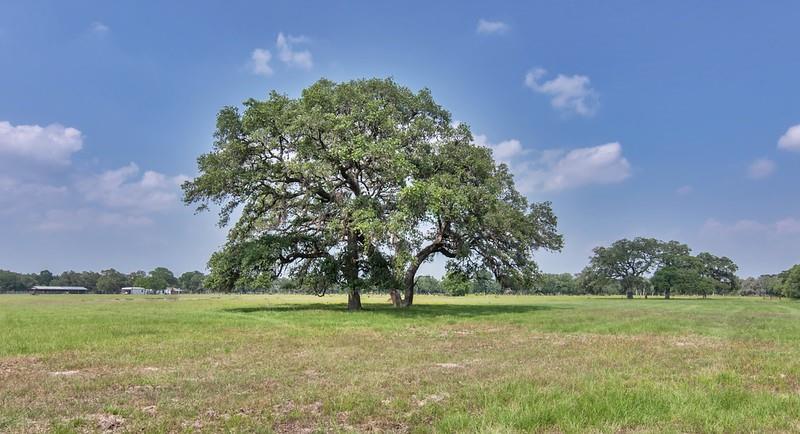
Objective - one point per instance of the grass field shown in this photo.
(471, 364)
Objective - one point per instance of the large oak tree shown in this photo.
(357, 184)
(630, 261)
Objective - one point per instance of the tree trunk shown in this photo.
(353, 300)
(408, 285)
(407, 298)
(629, 294)
(666, 294)
(396, 297)
(351, 272)
(408, 278)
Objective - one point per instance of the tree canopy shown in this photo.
(790, 284)
(629, 261)
(670, 265)
(357, 184)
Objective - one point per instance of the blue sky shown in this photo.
(672, 120)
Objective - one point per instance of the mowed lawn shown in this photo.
(499, 364)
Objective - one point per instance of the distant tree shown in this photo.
(563, 284)
(484, 282)
(143, 282)
(428, 285)
(136, 274)
(164, 274)
(749, 286)
(590, 281)
(283, 285)
(355, 185)
(770, 285)
(790, 282)
(721, 270)
(158, 279)
(44, 278)
(456, 283)
(112, 281)
(86, 279)
(68, 278)
(15, 282)
(629, 261)
(681, 280)
(191, 280)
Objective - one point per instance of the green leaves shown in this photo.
(357, 184)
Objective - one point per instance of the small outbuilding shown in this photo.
(135, 290)
(58, 290)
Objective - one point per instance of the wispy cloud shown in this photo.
(260, 58)
(761, 168)
(259, 62)
(487, 27)
(569, 93)
(288, 55)
(124, 189)
(784, 226)
(68, 220)
(99, 28)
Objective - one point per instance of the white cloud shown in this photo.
(790, 141)
(124, 197)
(503, 151)
(761, 168)
(602, 164)
(570, 94)
(717, 227)
(555, 170)
(63, 220)
(300, 59)
(123, 189)
(785, 226)
(491, 27)
(260, 58)
(51, 144)
(789, 225)
(684, 190)
(99, 28)
(259, 62)
(17, 195)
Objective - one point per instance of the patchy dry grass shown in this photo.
(473, 364)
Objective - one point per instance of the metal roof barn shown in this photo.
(59, 290)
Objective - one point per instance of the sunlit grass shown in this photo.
(478, 363)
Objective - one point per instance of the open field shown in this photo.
(475, 364)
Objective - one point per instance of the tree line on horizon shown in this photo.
(108, 281)
(652, 267)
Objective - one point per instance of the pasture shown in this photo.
(261, 363)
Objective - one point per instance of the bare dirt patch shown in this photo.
(449, 366)
(65, 373)
(109, 422)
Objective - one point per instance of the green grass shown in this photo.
(471, 364)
